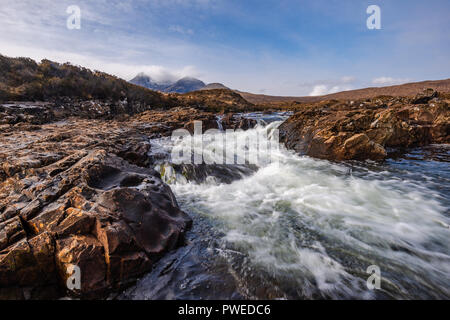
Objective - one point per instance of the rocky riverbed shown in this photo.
(79, 191)
(78, 185)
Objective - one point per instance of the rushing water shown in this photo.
(302, 228)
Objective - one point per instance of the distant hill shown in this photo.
(264, 99)
(407, 89)
(186, 84)
(213, 86)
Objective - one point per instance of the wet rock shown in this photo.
(340, 130)
(80, 193)
(206, 124)
(246, 124)
(360, 146)
(235, 122)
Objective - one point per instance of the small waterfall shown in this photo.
(219, 122)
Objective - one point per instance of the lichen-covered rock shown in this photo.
(360, 130)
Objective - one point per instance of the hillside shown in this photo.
(218, 100)
(408, 89)
(22, 79)
(266, 99)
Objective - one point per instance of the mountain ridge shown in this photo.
(407, 89)
(183, 85)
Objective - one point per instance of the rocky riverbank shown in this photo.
(80, 191)
(366, 129)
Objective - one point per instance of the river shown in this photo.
(303, 228)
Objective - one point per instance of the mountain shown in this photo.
(184, 85)
(146, 81)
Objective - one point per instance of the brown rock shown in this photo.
(340, 130)
(80, 193)
(360, 146)
(87, 253)
(235, 122)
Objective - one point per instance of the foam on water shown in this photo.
(311, 228)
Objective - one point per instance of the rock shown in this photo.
(340, 130)
(235, 122)
(87, 253)
(32, 113)
(207, 123)
(360, 146)
(80, 193)
(425, 96)
(163, 123)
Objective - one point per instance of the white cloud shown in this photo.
(164, 38)
(323, 87)
(389, 81)
(319, 90)
(160, 73)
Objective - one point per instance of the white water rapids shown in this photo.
(307, 228)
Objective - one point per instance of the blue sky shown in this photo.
(281, 47)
